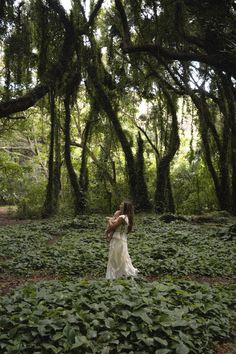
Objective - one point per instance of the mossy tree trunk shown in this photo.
(163, 194)
(142, 199)
(57, 163)
(231, 114)
(209, 134)
(83, 177)
(53, 184)
(104, 102)
(78, 197)
(102, 84)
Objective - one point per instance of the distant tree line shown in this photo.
(165, 52)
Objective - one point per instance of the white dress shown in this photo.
(119, 261)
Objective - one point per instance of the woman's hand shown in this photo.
(113, 225)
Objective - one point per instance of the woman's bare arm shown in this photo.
(115, 224)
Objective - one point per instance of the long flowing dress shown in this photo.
(119, 261)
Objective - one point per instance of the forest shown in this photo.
(104, 101)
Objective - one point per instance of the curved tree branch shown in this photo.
(149, 140)
(218, 60)
(94, 13)
(55, 73)
(92, 17)
(124, 20)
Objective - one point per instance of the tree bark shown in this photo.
(229, 90)
(83, 178)
(169, 197)
(163, 194)
(105, 103)
(79, 202)
(221, 179)
(233, 158)
(49, 207)
(221, 60)
(142, 199)
(57, 164)
(56, 72)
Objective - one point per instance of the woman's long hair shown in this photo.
(128, 210)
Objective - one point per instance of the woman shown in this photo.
(119, 261)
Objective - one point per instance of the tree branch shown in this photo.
(16, 118)
(94, 13)
(124, 21)
(218, 60)
(92, 17)
(96, 161)
(149, 140)
(55, 73)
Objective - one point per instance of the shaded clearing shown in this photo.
(8, 217)
(9, 281)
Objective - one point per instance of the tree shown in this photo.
(156, 50)
(53, 187)
(198, 32)
(141, 188)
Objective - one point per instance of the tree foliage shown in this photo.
(100, 64)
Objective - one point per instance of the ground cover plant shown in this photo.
(80, 248)
(123, 316)
(75, 315)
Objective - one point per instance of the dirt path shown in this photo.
(8, 217)
(198, 278)
(9, 281)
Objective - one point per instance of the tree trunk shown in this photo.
(164, 201)
(57, 164)
(163, 194)
(232, 121)
(113, 171)
(233, 159)
(161, 204)
(169, 197)
(83, 178)
(79, 202)
(49, 206)
(221, 179)
(230, 112)
(54, 73)
(142, 199)
(105, 103)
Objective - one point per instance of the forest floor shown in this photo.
(8, 216)
(9, 280)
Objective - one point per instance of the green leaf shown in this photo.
(79, 341)
(162, 351)
(181, 348)
(143, 315)
(91, 333)
(69, 333)
(180, 323)
(51, 347)
(105, 350)
(161, 341)
(148, 341)
(125, 334)
(57, 336)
